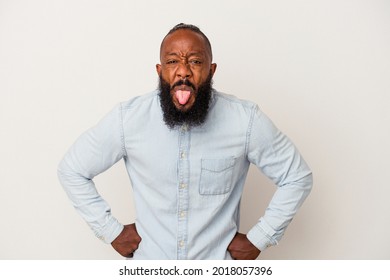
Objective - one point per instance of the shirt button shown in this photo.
(184, 128)
(183, 186)
(182, 155)
(181, 243)
(182, 214)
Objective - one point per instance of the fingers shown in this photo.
(240, 248)
(126, 251)
(127, 242)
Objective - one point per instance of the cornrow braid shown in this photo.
(192, 28)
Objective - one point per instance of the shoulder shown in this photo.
(232, 102)
(222, 97)
(140, 101)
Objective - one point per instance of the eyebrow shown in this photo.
(189, 54)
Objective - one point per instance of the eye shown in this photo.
(196, 62)
(171, 61)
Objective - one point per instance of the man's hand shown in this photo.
(127, 241)
(240, 248)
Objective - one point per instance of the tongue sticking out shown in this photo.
(183, 96)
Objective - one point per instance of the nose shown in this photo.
(183, 71)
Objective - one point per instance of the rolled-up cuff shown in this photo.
(261, 235)
(111, 231)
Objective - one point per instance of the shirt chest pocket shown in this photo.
(216, 176)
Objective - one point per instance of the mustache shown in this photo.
(183, 82)
(194, 116)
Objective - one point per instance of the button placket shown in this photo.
(183, 195)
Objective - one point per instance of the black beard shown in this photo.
(196, 114)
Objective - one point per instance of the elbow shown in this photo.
(308, 182)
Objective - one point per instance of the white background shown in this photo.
(319, 69)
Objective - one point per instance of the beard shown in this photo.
(196, 114)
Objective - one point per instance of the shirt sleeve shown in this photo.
(277, 157)
(93, 152)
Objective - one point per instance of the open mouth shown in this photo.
(182, 93)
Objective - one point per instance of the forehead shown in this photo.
(184, 41)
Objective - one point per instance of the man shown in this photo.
(187, 149)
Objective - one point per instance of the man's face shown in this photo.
(185, 56)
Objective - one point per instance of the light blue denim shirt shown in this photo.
(187, 183)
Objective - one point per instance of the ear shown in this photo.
(158, 69)
(213, 68)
